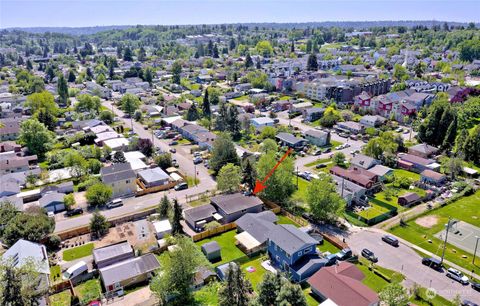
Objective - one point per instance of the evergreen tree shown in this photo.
(249, 175)
(71, 76)
(312, 63)
(237, 288)
(207, 112)
(223, 152)
(449, 140)
(99, 224)
(89, 74)
(148, 75)
(232, 122)
(258, 65)
(221, 119)
(460, 141)
(142, 55)
(176, 71)
(164, 207)
(232, 44)
(29, 65)
(20, 61)
(269, 288)
(177, 228)
(119, 158)
(127, 54)
(291, 295)
(192, 113)
(62, 88)
(292, 47)
(215, 51)
(47, 118)
(248, 61)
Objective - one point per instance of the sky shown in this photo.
(79, 13)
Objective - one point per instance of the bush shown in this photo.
(82, 186)
(53, 243)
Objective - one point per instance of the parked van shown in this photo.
(115, 203)
(75, 270)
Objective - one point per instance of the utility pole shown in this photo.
(297, 177)
(195, 174)
(445, 242)
(475, 252)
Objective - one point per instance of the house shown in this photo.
(356, 175)
(117, 144)
(52, 201)
(280, 106)
(313, 113)
(428, 176)
(121, 178)
(294, 252)
(203, 276)
(197, 217)
(128, 272)
(350, 127)
(317, 138)
(24, 251)
(9, 129)
(66, 187)
(113, 253)
(342, 285)
(409, 199)
(287, 139)
(232, 206)
(162, 228)
(423, 150)
(363, 161)
(383, 172)
(153, 177)
(363, 100)
(372, 121)
(8, 187)
(416, 163)
(349, 191)
(300, 107)
(253, 230)
(10, 162)
(212, 251)
(261, 122)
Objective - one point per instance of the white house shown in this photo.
(261, 122)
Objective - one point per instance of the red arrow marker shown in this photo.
(260, 185)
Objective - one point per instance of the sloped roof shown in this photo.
(231, 203)
(258, 225)
(129, 268)
(289, 238)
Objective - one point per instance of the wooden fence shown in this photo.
(334, 240)
(146, 190)
(214, 231)
(201, 195)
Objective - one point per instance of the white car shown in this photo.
(457, 276)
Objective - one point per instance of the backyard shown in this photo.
(61, 298)
(228, 248)
(78, 252)
(421, 231)
(89, 290)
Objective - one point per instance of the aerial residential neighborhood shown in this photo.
(233, 163)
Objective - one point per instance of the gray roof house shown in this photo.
(128, 272)
(8, 188)
(233, 206)
(153, 177)
(363, 161)
(253, 230)
(120, 177)
(317, 138)
(23, 251)
(287, 139)
(197, 217)
(52, 201)
(113, 253)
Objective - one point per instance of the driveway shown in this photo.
(406, 261)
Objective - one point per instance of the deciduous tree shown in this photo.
(229, 178)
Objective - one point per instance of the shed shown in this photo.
(212, 251)
(222, 270)
(113, 253)
(162, 228)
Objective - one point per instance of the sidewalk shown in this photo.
(416, 247)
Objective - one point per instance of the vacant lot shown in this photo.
(78, 252)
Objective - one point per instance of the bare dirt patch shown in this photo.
(427, 221)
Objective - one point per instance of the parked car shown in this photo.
(457, 276)
(369, 255)
(475, 286)
(327, 150)
(115, 203)
(331, 259)
(74, 212)
(433, 263)
(175, 163)
(181, 186)
(75, 270)
(390, 240)
(173, 143)
(317, 152)
(344, 254)
(173, 150)
(320, 166)
(197, 160)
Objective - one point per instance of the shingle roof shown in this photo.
(210, 247)
(200, 212)
(288, 138)
(289, 238)
(129, 268)
(51, 197)
(153, 175)
(111, 251)
(22, 250)
(258, 225)
(231, 203)
(117, 172)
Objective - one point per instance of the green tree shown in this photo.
(98, 224)
(264, 48)
(69, 201)
(248, 61)
(268, 132)
(163, 160)
(101, 79)
(206, 105)
(269, 145)
(223, 152)
(452, 166)
(248, 175)
(71, 76)
(7, 212)
(98, 194)
(36, 137)
(312, 63)
(229, 178)
(128, 54)
(177, 228)
(88, 103)
(339, 159)
(176, 72)
(39, 100)
(20, 284)
(175, 276)
(291, 295)
(76, 162)
(62, 88)
(280, 185)
(192, 113)
(164, 207)
(106, 116)
(232, 122)
(394, 295)
(130, 103)
(237, 288)
(119, 158)
(48, 119)
(400, 73)
(269, 288)
(33, 225)
(323, 200)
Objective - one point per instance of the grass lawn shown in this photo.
(89, 290)
(55, 274)
(285, 220)
(404, 173)
(424, 301)
(208, 295)
(199, 202)
(78, 252)
(372, 280)
(61, 298)
(226, 241)
(311, 301)
(319, 161)
(256, 276)
(399, 192)
(328, 247)
(334, 143)
(300, 195)
(191, 181)
(465, 209)
(184, 141)
(373, 211)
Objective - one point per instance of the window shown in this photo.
(300, 253)
(307, 250)
(127, 181)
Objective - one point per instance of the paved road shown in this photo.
(406, 261)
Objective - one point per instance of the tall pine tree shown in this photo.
(207, 112)
(177, 228)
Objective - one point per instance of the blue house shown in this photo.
(294, 252)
